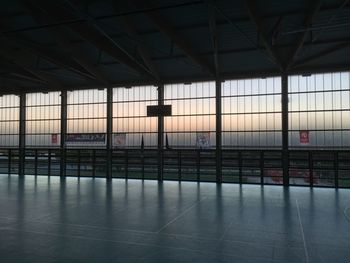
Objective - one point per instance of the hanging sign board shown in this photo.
(304, 137)
(158, 110)
(203, 140)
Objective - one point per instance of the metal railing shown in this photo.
(329, 168)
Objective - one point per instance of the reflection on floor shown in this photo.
(46, 219)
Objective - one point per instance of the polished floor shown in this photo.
(46, 219)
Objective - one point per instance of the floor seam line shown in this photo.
(135, 243)
(302, 232)
(180, 215)
(346, 213)
(153, 233)
(227, 228)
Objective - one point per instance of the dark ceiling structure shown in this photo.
(75, 44)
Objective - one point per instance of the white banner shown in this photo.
(203, 140)
(119, 140)
(86, 139)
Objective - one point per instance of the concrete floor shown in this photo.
(91, 220)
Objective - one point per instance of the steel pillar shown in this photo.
(22, 133)
(160, 133)
(218, 131)
(285, 137)
(63, 133)
(109, 131)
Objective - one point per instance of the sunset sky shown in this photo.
(252, 106)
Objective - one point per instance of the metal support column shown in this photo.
(63, 133)
(285, 140)
(109, 131)
(160, 133)
(218, 132)
(22, 133)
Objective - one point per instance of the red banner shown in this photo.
(54, 138)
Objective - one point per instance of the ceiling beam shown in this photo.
(80, 58)
(330, 20)
(11, 75)
(233, 51)
(11, 70)
(165, 27)
(132, 32)
(241, 19)
(256, 20)
(9, 86)
(61, 37)
(14, 58)
(92, 33)
(307, 23)
(47, 54)
(141, 48)
(185, 79)
(321, 54)
(214, 37)
(276, 30)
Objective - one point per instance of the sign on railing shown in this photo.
(119, 140)
(86, 139)
(304, 137)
